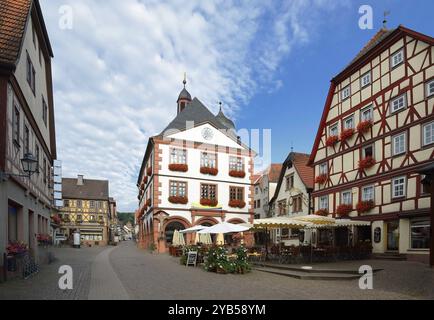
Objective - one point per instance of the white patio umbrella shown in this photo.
(181, 239)
(224, 227)
(197, 238)
(175, 239)
(205, 238)
(193, 229)
(220, 239)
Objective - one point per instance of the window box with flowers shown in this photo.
(322, 212)
(235, 203)
(347, 134)
(365, 206)
(344, 210)
(321, 179)
(178, 200)
(148, 202)
(209, 202)
(56, 219)
(208, 170)
(237, 174)
(15, 250)
(366, 163)
(43, 239)
(364, 126)
(331, 141)
(149, 171)
(178, 167)
(145, 180)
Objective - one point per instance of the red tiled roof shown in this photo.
(305, 172)
(13, 18)
(274, 172)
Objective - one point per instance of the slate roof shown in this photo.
(184, 94)
(91, 189)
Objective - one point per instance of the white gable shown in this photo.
(206, 133)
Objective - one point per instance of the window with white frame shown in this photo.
(324, 202)
(236, 163)
(178, 156)
(398, 103)
(349, 123)
(208, 160)
(428, 133)
(334, 131)
(345, 92)
(368, 193)
(365, 79)
(346, 197)
(430, 88)
(398, 143)
(397, 58)
(323, 168)
(178, 189)
(366, 114)
(398, 187)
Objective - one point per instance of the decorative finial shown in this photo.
(385, 14)
(185, 79)
(220, 104)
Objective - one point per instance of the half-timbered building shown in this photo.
(376, 131)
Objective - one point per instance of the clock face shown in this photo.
(207, 134)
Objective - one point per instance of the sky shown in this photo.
(118, 68)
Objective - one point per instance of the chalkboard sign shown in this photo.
(191, 258)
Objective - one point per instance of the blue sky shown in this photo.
(118, 70)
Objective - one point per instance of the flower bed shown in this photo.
(178, 167)
(210, 171)
(149, 171)
(365, 206)
(237, 174)
(16, 248)
(218, 261)
(209, 202)
(237, 203)
(331, 141)
(322, 212)
(364, 126)
(366, 163)
(344, 210)
(178, 200)
(321, 179)
(346, 134)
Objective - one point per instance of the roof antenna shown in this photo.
(185, 79)
(385, 14)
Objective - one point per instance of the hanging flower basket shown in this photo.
(178, 167)
(344, 210)
(237, 174)
(237, 203)
(149, 171)
(366, 163)
(178, 200)
(364, 126)
(347, 134)
(322, 212)
(209, 202)
(210, 171)
(321, 179)
(365, 206)
(331, 141)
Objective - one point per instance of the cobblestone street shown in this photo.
(125, 272)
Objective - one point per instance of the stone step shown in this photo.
(309, 276)
(313, 269)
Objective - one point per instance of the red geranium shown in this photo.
(344, 209)
(365, 206)
(209, 202)
(366, 163)
(322, 212)
(178, 200)
(178, 167)
(235, 203)
(237, 174)
(331, 141)
(364, 126)
(14, 248)
(321, 179)
(346, 134)
(208, 170)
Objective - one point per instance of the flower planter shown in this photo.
(366, 163)
(321, 179)
(209, 202)
(237, 174)
(322, 212)
(178, 200)
(210, 171)
(347, 134)
(365, 206)
(145, 180)
(149, 171)
(148, 202)
(178, 167)
(331, 141)
(237, 204)
(344, 210)
(364, 126)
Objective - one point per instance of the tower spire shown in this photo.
(220, 104)
(185, 79)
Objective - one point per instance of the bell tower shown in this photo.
(184, 97)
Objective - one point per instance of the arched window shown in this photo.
(170, 229)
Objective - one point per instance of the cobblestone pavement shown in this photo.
(125, 272)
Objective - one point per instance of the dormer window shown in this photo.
(397, 58)
(345, 94)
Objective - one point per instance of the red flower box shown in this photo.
(365, 206)
(322, 212)
(178, 200)
(237, 174)
(346, 134)
(209, 202)
(366, 163)
(149, 171)
(331, 141)
(237, 203)
(321, 179)
(178, 167)
(56, 219)
(145, 180)
(210, 171)
(344, 209)
(364, 126)
(15, 248)
(148, 202)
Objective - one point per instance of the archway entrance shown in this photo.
(170, 229)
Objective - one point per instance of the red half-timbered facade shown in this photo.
(376, 132)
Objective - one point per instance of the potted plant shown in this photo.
(331, 141)
(152, 247)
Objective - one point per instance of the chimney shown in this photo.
(239, 140)
(80, 180)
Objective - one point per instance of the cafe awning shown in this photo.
(341, 223)
(315, 219)
(279, 222)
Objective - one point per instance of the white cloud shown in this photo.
(117, 73)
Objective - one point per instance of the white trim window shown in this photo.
(428, 133)
(334, 130)
(430, 88)
(208, 160)
(347, 197)
(397, 58)
(398, 187)
(399, 144)
(324, 202)
(398, 103)
(346, 92)
(323, 168)
(365, 79)
(349, 122)
(368, 193)
(366, 114)
(178, 156)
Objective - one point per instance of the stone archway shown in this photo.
(206, 221)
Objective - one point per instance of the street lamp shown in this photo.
(29, 164)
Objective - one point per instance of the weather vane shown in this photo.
(386, 13)
(185, 79)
